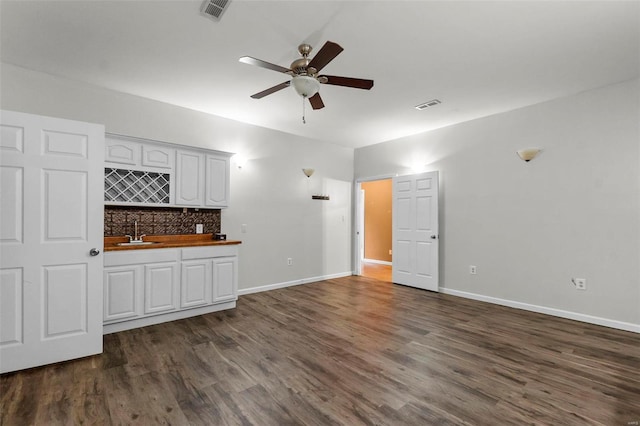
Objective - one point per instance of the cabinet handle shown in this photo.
(94, 252)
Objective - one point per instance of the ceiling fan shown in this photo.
(306, 80)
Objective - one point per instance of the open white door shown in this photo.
(51, 232)
(415, 230)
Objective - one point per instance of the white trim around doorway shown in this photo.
(358, 236)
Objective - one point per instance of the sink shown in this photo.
(137, 243)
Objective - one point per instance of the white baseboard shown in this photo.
(268, 287)
(620, 325)
(380, 262)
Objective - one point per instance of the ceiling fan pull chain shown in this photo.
(303, 120)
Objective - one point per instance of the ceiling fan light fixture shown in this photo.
(305, 86)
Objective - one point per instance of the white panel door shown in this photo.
(51, 216)
(225, 279)
(415, 230)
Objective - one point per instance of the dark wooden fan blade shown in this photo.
(260, 63)
(271, 90)
(357, 83)
(316, 101)
(325, 55)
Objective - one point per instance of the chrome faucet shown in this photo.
(135, 238)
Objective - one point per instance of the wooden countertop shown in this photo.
(167, 241)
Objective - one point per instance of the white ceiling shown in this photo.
(477, 57)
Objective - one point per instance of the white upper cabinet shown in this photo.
(138, 153)
(145, 172)
(122, 152)
(189, 178)
(217, 181)
(202, 180)
(157, 156)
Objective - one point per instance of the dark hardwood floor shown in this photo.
(347, 351)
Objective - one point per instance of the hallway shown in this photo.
(377, 271)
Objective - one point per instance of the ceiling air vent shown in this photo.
(428, 104)
(214, 8)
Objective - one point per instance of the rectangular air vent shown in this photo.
(214, 8)
(428, 104)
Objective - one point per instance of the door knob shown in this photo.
(94, 252)
(433, 237)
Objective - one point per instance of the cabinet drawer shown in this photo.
(209, 252)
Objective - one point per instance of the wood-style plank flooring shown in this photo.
(349, 351)
(376, 270)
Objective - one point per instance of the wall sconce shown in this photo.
(240, 161)
(528, 154)
(308, 172)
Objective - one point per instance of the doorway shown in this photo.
(413, 253)
(375, 229)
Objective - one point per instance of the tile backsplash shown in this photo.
(118, 220)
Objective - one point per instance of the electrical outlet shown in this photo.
(580, 283)
(289, 261)
(199, 228)
(473, 269)
(390, 252)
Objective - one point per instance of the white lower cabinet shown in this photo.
(196, 283)
(144, 287)
(160, 287)
(122, 292)
(224, 278)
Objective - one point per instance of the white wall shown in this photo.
(530, 227)
(270, 194)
